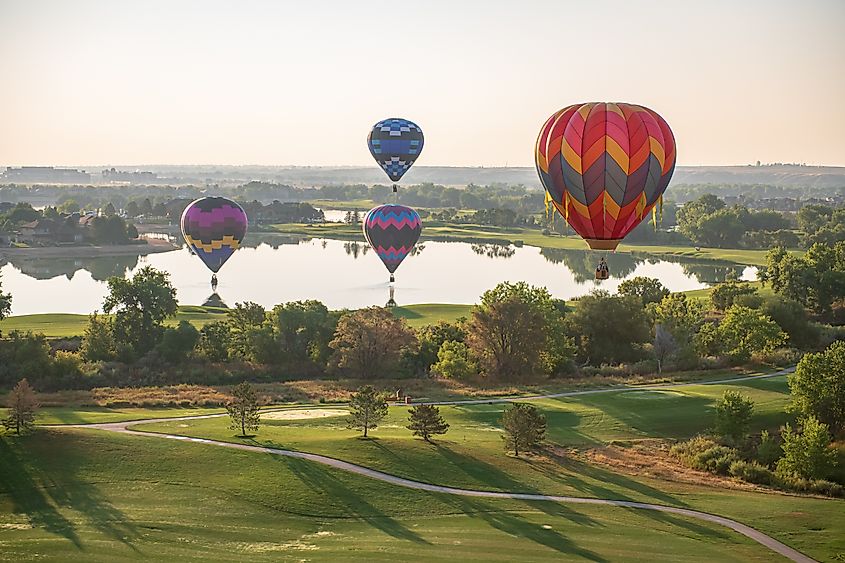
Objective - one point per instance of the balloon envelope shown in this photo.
(604, 167)
(392, 230)
(214, 228)
(395, 144)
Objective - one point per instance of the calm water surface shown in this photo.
(344, 274)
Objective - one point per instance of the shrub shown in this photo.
(705, 454)
(733, 415)
(752, 472)
(454, 361)
(807, 453)
(828, 488)
(768, 450)
(716, 460)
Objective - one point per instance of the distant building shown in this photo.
(114, 176)
(45, 175)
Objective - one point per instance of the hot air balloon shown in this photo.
(395, 144)
(214, 228)
(392, 230)
(605, 166)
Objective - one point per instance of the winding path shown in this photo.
(759, 537)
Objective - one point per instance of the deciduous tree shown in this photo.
(98, 340)
(369, 342)
(22, 405)
(454, 361)
(733, 416)
(649, 290)
(745, 331)
(818, 386)
(140, 306)
(807, 453)
(243, 409)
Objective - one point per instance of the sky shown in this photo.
(95, 82)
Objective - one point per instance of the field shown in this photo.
(85, 491)
(60, 325)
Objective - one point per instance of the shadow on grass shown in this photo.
(41, 478)
(517, 526)
(320, 479)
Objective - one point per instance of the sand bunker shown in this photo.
(301, 414)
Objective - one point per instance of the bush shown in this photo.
(454, 361)
(752, 472)
(733, 416)
(716, 460)
(705, 454)
(828, 488)
(768, 450)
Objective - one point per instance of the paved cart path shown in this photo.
(759, 537)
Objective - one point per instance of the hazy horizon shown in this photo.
(281, 84)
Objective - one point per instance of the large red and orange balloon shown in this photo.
(605, 166)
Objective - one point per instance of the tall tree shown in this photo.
(22, 405)
(525, 427)
(454, 361)
(140, 306)
(816, 279)
(369, 342)
(663, 346)
(304, 330)
(426, 421)
(5, 303)
(243, 409)
(516, 332)
(649, 290)
(807, 453)
(246, 323)
(733, 416)
(818, 386)
(98, 340)
(609, 329)
(745, 331)
(367, 407)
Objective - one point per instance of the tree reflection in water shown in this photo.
(583, 263)
(492, 250)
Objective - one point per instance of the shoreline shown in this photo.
(152, 246)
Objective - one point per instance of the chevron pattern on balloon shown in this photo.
(605, 166)
(392, 231)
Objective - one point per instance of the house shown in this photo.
(40, 231)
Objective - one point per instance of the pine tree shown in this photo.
(22, 405)
(367, 408)
(525, 427)
(243, 409)
(425, 421)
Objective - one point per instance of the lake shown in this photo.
(342, 274)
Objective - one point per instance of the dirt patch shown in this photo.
(302, 414)
(653, 460)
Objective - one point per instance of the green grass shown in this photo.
(431, 313)
(87, 495)
(352, 204)
(97, 496)
(59, 325)
(93, 415)
(532, 237)
(470, 455)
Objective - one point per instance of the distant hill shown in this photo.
(778, 175)
(305, 176)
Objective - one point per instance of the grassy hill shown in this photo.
(87, 494)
